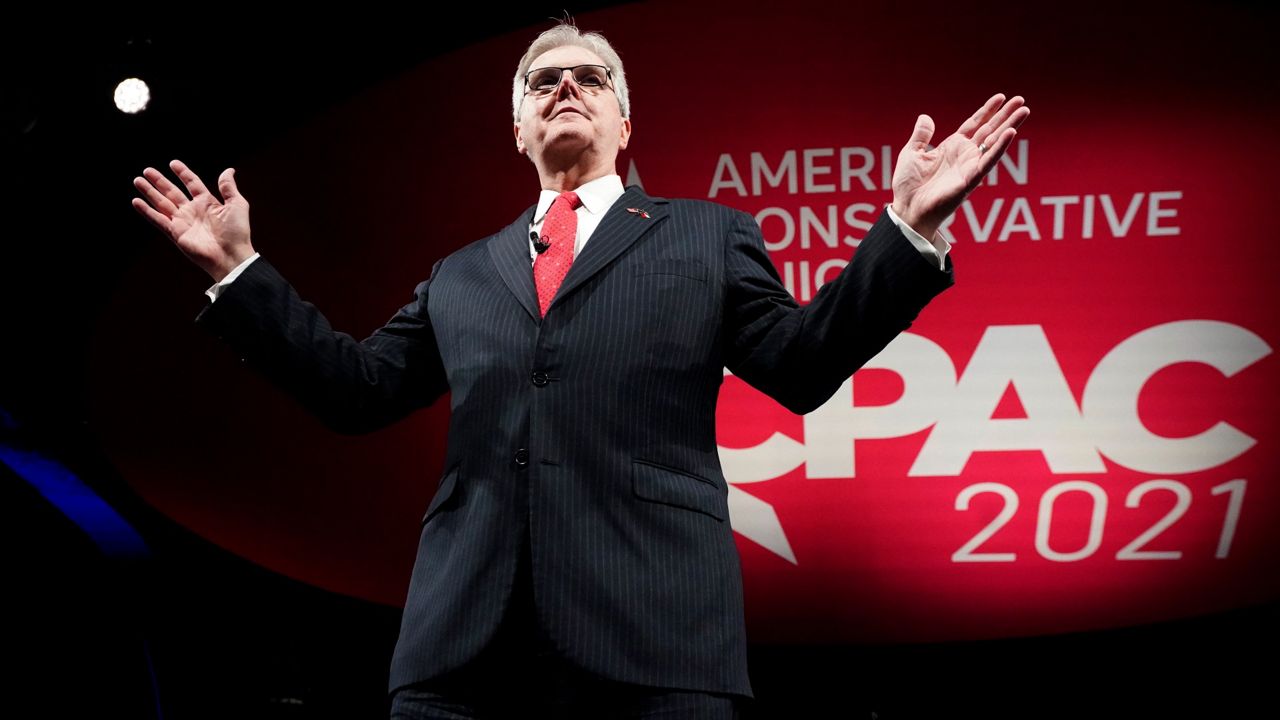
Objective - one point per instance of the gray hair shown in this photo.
(567, 34)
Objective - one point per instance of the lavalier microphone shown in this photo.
(538, 243)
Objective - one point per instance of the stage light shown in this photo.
(132, 96)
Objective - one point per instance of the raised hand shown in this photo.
(928, 185)
(213, 233)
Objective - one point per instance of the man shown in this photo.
(582, 517)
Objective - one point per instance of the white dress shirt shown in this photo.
(597, 197)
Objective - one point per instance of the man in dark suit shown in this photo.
(581, 527)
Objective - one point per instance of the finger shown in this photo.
(1013, 122)
(175, 196)
(160, 221)
(994, 152)
(227, 185)
(157, 200)
(922, 133)
(970, 126)
(1011, 115)
(193, 182)
(990, 127)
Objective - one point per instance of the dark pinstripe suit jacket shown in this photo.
(592, 429)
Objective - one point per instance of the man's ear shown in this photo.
(626, 134)
(520, 148)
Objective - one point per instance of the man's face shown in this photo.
(571, 123)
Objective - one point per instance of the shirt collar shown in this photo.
(597, 196)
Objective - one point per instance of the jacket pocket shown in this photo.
(675, 487)
(665, 266)
(443, 491)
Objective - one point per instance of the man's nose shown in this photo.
(568, 87)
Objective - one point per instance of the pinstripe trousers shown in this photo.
(519, 675)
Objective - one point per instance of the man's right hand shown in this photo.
(215, 235)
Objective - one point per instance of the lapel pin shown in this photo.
(638, 211)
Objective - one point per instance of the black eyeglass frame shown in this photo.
(608, 78)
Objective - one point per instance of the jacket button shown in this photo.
(522, 457)
(539, 378)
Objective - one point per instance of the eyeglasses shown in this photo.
(592, 78)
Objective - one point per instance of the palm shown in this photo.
(929, 183)
(202, 226)
(214, 233)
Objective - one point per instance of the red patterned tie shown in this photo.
(560, 228)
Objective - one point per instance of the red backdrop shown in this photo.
(1078, 435)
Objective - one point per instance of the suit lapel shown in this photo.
(510, 252)
(619, 229)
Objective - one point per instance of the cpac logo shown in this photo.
(1073, 438)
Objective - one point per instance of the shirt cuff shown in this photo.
(221, 285)
(934, 251)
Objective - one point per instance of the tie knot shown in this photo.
(569, 197)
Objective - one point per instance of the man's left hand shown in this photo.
(929, 184)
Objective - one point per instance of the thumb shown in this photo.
(922, 133)
(227, 185)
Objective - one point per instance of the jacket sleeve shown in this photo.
(799, 356)
(352, 387)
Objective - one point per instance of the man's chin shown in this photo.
(566, 145)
